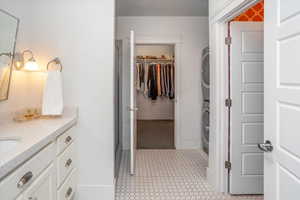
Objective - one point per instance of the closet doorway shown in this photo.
(155, 70)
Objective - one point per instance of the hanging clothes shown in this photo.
(172, 90)
(138, 81)
(167, 80)
(156, 79)
(162, 80)
(141, 77)
(152, 82)
(146, 76)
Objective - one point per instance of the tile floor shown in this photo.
(168, 175)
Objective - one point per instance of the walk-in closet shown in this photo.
(155, 85)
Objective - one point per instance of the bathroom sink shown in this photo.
(7, 145)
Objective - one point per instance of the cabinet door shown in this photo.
(43, 188)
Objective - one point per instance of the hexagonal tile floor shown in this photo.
(168, 175)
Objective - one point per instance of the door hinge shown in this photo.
(228, 165)
(228, 103)
(228, 40)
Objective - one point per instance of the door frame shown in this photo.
(177, 42)
(119, 126)
(217, 174)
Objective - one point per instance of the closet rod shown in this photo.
(154, 60)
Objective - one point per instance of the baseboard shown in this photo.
(188, 144)
(210, 177)
(92, 192)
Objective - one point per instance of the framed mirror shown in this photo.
(9, 26)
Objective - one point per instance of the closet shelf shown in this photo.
(145, 60)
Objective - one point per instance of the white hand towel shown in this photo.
(53, 94)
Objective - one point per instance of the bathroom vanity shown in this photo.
(38, 158)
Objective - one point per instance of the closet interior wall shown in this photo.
(163, 107)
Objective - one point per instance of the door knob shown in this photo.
(132, 109)
(266, 147)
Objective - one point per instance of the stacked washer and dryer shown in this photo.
(205, 104)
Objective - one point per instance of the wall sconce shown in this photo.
(5, 56)
(21, 63)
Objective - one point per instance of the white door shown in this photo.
(132, 106)
(282, 99)
(247, 111)
(43, 188)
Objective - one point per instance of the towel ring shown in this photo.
(6, 54)
(55, 61)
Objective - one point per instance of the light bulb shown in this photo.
(31, 66)
(18, 65)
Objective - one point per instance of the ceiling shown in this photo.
(162, 7)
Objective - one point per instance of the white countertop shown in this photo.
(32, 136)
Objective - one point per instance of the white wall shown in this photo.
(162, 8)
(163, 107)
(155, 50)
(221, 8)
(81, 33)
(220, 4)
(193, 32)
(25, 88)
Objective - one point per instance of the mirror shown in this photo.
(8, 35)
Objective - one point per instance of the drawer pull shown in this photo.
(25, 179)
(32, 198)
(68, 163)
(69, 192)
(68, 139)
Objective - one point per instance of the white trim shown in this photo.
(232, 9)
(177, 42)
(218, 118)
(132, 108)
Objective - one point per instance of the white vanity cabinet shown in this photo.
(43, 188)
(66, 166)
(49, 174)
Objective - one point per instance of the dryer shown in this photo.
(205, 73)
(205, 105)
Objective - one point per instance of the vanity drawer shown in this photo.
(68, 189)
(23, 176)
(65, 140)
(65, 163)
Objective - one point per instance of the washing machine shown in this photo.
(205, 126)
(205, 105)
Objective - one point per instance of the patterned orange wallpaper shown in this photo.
(256, 13)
